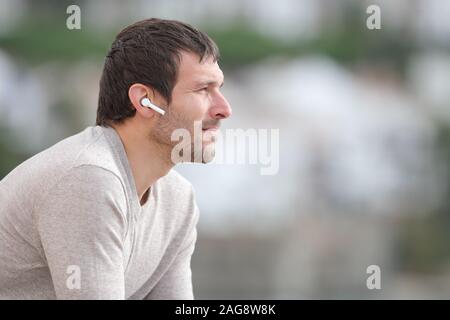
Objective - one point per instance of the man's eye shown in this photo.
(203, 89)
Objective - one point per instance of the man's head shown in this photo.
(172, 64)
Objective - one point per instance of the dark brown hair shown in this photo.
(146, 52)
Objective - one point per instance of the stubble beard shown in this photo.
(161, 136)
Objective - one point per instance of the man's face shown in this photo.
(196, 98)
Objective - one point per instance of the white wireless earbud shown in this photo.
(145, 102)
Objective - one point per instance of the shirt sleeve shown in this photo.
(81, 224)
(176, 283)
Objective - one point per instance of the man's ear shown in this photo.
(136, 93)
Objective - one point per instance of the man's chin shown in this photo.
(207, 155)
(197, 154)
(207, 160)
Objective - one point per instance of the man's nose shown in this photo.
(220, 109)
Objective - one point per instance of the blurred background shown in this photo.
(364, 120)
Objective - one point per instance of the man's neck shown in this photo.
(148, 160)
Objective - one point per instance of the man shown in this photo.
(101, 214)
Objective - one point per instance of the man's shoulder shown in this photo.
(45, 166)
(97, 151)
(89, 152)
(85, 147)
(82, 154)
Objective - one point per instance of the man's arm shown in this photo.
(82, 225)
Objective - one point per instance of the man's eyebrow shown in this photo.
(208, 83)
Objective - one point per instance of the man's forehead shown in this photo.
(194, 71)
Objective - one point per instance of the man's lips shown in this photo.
(210, 133)
(212, 128)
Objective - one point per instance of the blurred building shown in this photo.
(359, 137)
